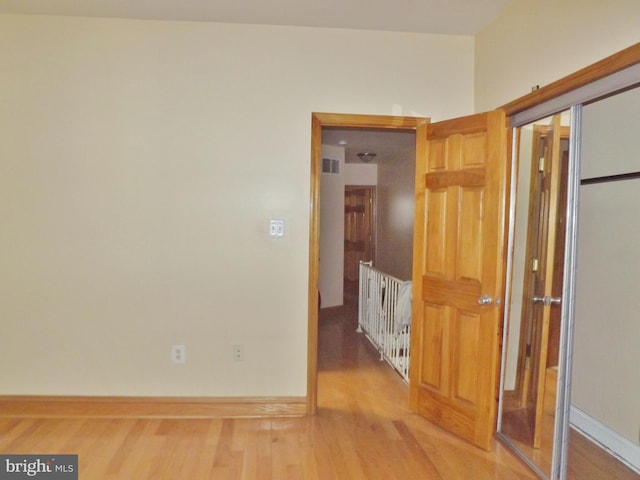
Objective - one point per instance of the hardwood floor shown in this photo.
(363, 430)
(589, 462)
(586, 461)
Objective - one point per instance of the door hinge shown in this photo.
(541, 164)
(534, 264)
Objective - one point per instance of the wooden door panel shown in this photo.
(466, 333)
(473, 150)
(459, 419)
(469, 265)
(358, 227)
(439, 292)
(469, 177)
(458, 255)
(433, 337)
(436, 222)
(438, 155)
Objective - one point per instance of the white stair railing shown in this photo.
(380, 301)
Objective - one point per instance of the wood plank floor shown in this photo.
(363, 430)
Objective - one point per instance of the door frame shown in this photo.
(319, 120)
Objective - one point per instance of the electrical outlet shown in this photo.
(238, 353)
(179, 354)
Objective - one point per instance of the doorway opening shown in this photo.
(342, 121)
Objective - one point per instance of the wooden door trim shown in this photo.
(319, 120)
(64, 406)
(626, 58)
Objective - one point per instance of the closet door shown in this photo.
(458, 274)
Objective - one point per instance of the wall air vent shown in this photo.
(331, 166)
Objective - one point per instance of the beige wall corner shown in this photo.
(535, 42)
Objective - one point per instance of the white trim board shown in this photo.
(620, 447)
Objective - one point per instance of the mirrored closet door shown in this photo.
(529, 387)
(570, 396)
(605, 392)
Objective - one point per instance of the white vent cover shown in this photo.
(331, 166)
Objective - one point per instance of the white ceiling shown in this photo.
(456, 17)
(386, 144)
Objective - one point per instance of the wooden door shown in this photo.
(545, 200)
(553, 356)
(459, 257)
(358, 229)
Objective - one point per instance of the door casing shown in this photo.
(318, 121)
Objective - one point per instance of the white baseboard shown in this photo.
(621, 448)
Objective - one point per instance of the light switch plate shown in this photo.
(276, 228)
(178, 353)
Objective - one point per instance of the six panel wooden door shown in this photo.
(459, 261)
(358, 229)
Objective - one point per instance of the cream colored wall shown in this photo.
(331, 265)
(360, 174)
(535, 42)
(395, 200)
(140, 162)
(606, 355)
